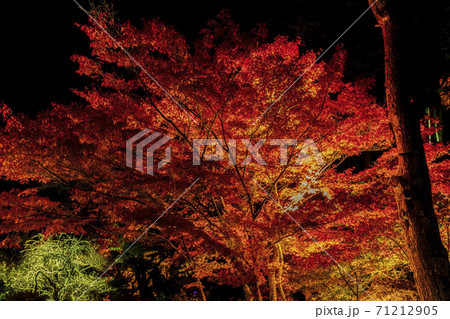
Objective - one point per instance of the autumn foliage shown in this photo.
(67, 171)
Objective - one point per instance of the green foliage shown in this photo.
(4, 289)
(61, 267)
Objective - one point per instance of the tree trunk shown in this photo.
(258, 293)
(272, 274)
(427, 255)
(247, 293)
(280, 272)
(200, 287)
(143, 283)
(272, 286)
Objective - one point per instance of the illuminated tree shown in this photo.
(58, 269)
(427, 255)
(230, 228)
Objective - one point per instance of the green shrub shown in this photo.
(62, 267)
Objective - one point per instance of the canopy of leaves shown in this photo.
(225, 229)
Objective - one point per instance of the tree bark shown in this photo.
(272, 286)
(427, 255)
(272, 274)
(280, 272)
(258, 293)
(200, 287)
(247, 293)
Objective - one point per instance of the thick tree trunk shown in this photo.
(427, 255)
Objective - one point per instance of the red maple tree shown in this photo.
(226, 228)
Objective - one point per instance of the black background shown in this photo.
(38, 37)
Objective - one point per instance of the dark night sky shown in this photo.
(38, 37)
